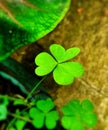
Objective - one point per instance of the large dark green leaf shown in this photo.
(25, 21)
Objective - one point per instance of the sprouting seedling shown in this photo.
(43, 114)
(78, 115)
(64, 71)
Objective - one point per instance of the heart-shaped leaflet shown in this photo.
(46, 64)
(62, 55)
(64, 73)
(45, 105)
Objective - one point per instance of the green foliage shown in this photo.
(43, 114)
(3, 108)
(63, 71)
(36, 20)
(25, 21)
(78, 115)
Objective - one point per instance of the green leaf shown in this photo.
(66, 122)
(34, 111)
(19, 102)
(20, 124)
(87, 105)
(3, 112)
(51, 119)
(50, 124)
(71, 53)
(57, 51)
(78, 115)
(45, 105)
(45, 62)
(90, 119)
(75, 106)
(61, 54)
(5, 100)
(53, 115)
(76, 69)
(43, 114)
(25, 21)
(38, 122)
(66, 110)
(37, 116)
(72, 123)
(76, 124)
(64, 73)
(72, 108)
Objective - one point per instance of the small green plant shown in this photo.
(78, 115)
(41, 113)
(44, 114)
(64, 71)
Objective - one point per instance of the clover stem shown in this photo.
(35, 87)
(20, 117)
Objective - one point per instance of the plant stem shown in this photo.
(20, 117)
(17, 117)
(26, 103)
(11, 98)
(10, 124)
(36, 86)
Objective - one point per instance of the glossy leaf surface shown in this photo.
(46, 64)
(61, 54)
(64, 71)
(25, 21)
(68, 71)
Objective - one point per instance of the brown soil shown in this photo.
(84, 26)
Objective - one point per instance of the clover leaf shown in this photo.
(43, 114)
(61, 54)
(78, 115)
(64, 71)
(45, 62)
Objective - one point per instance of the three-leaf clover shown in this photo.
(43, 114)
(78, 115)
(64, 71)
